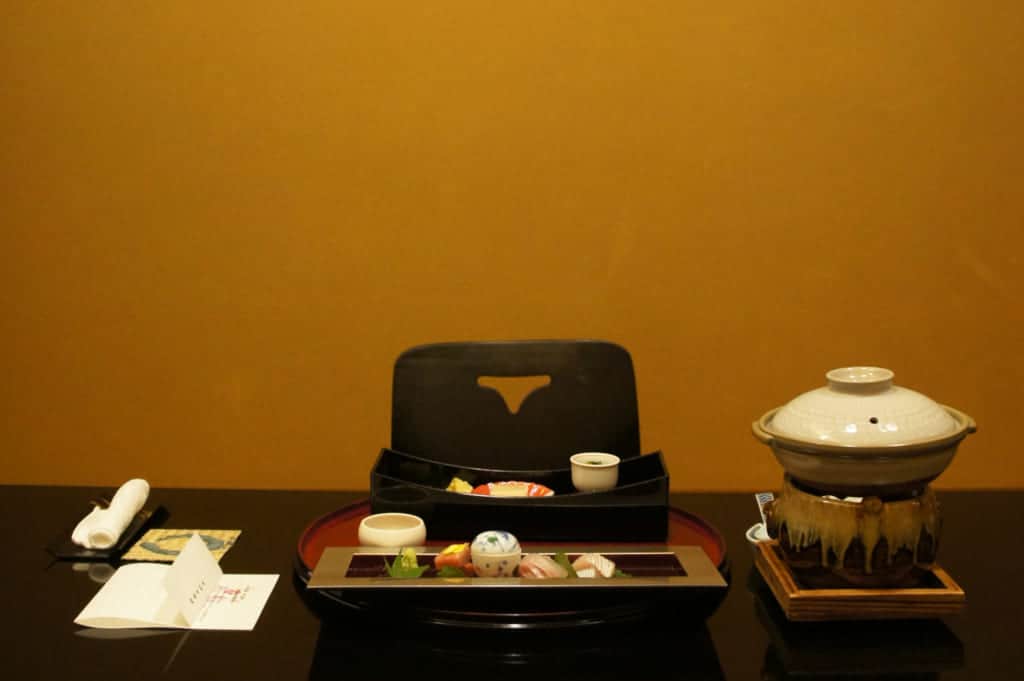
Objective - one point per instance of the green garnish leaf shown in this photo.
(563, 560)
(620, 573)
(450, 572)
(405, 566)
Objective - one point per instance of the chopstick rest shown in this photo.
(102, 527)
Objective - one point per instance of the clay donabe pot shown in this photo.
(856, 508)
(861, 435)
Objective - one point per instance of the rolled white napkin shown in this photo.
(102, 527)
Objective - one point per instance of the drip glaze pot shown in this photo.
(832, 542)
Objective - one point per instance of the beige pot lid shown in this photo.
(861, 407)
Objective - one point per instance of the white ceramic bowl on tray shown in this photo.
(392, 530)
(594, 471)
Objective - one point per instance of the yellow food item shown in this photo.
(459, 485)
(407, 558)
(455, 548)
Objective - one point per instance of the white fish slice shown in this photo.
(540, 566)
(595, 562)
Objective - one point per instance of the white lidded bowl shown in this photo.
(495, 553)
(861, 434)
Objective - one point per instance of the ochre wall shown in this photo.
(221, 224)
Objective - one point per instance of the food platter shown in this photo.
(328, 546)
(634, 510)
(656, 567)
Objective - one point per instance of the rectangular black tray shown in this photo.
(636, 510)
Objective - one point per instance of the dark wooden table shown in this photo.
(746, 638)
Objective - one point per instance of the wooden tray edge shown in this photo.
(806, 605)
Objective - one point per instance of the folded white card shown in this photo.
(191, 593)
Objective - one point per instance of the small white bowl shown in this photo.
(594, 471)
(392, 530)
(757, 533)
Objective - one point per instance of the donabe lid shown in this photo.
(861, 407)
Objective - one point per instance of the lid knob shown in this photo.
(860, 380)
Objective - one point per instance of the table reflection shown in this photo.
(355, 647)
(98, 572)
(894, 650)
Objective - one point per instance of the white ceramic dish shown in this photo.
(495, 553)
(757, 533)
(392, 530)
(594, 471)
(863, 435)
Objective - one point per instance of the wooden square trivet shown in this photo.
(807, 605)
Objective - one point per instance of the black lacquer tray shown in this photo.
(635, 510)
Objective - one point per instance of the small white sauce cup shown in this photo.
(392, 530)
(757, 534)
(594, 471)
